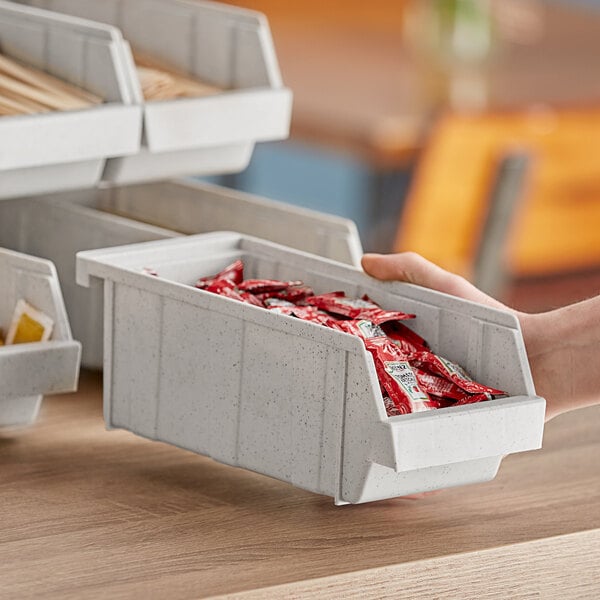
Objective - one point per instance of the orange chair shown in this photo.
(555, 225)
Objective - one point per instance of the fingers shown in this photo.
(413, 268)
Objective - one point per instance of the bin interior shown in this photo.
(221, 45)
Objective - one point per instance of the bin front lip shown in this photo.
(527, 414)
(102, 118)
(63, 379)
(163, 118)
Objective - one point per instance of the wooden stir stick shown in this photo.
(25, 90)
(162, 82)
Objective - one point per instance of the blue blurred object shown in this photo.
(311, 177)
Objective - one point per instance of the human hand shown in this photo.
(560, 344)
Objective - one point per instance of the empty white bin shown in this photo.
(222, 45)
(29, 371)
(63, 150)
(291, 399)
(57, 226)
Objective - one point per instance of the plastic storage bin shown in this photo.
(292, 399)
(226, 46)
(28, 371)
(61, 150)
(57, 226)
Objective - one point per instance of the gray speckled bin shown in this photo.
(227, 46)
(28, 371)
(292, 399)
(57, 226)
(66, 149)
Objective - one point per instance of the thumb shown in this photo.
(413, 268)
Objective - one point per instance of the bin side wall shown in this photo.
(201, 209)
(247, 396)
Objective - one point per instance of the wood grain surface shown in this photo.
(89, 513)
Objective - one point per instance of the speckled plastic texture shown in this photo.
(28, 371)
(291, 399)
(223, 45)
(62, 150)
(57, 226)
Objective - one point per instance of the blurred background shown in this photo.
(465, 130)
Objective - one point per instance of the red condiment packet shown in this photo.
(293, 294)
(265, 286)
(428, 361)
(233, 273)
(391, 409)
(353, 308)
(472, 398)
(442, 402)
(438, 386)
(404, 336)
(397, 377)
(360, 327)
(224, 287)
(306, 313)
(277, 302)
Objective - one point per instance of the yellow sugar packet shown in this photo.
(29, 325)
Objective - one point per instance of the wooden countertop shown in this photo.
(94, 513)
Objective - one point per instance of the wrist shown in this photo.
(542, 335)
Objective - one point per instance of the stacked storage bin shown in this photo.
(61, 150)
(292, 399)
(28, 371)
(226, 47)
(54, 151)
(250, 388)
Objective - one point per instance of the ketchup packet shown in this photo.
(354, 308)
(277, 302)
(224, 287)
(265, 286)
(397, 377)
(293, 294)
(404, 337)
(233, 273)
(438, 386)
(391, 409)
(361, 328)
(472, 398)
(442, 402)
(428, 361)
(306, 313)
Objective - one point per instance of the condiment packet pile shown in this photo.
(411, 376)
